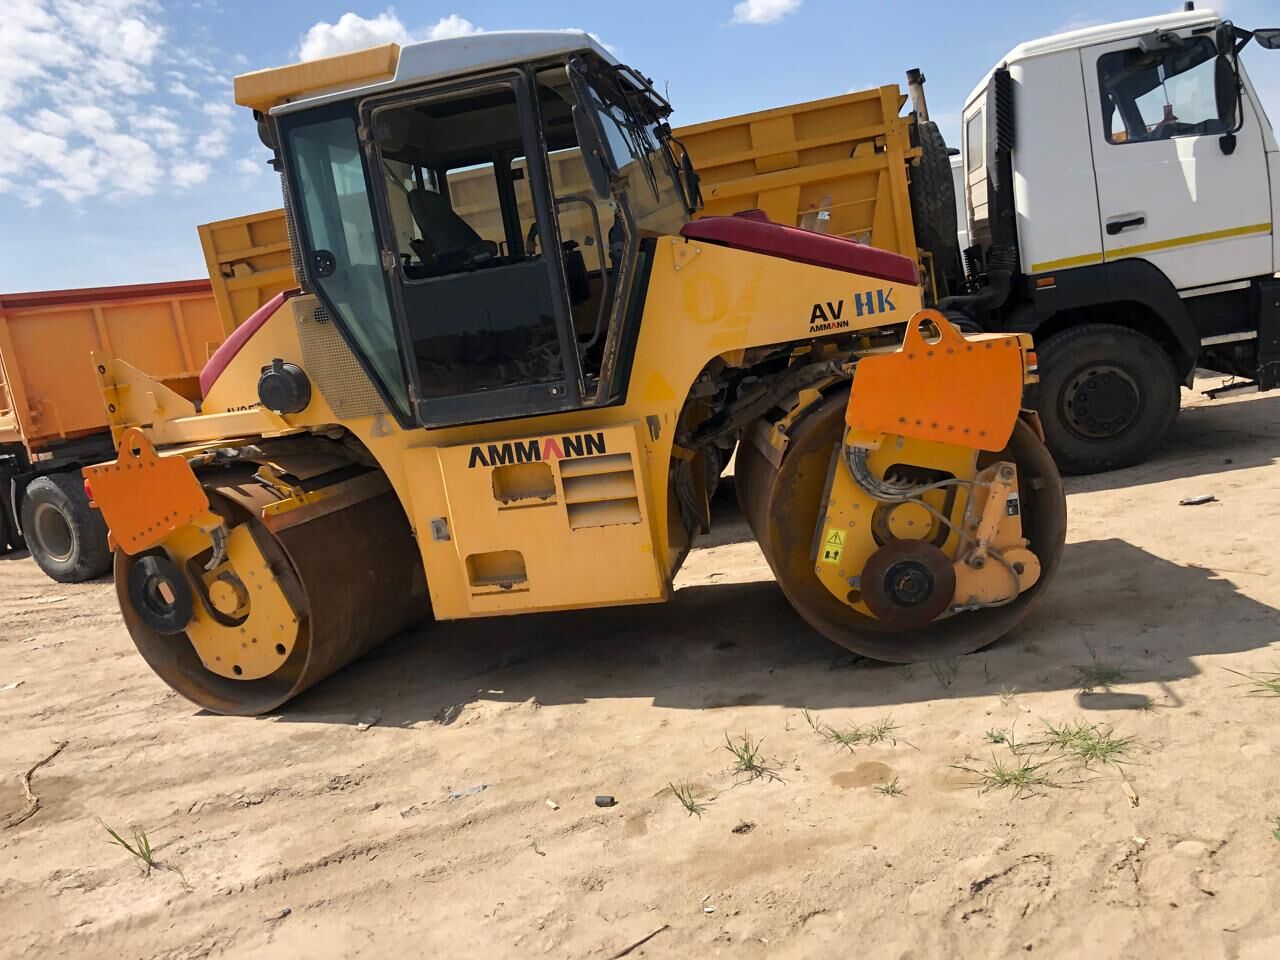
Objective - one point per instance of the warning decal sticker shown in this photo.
(833, 546)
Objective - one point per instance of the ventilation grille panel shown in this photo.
(330, 363)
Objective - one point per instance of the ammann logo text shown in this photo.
(527, 451)
(833, 315)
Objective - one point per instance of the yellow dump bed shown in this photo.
(249, 262)
(48, 391)
(848, 154)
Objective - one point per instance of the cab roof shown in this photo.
(1101, 33)
(391, 66)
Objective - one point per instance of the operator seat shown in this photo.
(443, 231)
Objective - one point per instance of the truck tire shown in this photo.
(67, 537)
(1107, 397)
(933, 203)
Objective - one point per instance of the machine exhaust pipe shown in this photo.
(915, 87)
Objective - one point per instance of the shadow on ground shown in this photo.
(736, 644)
(1209, 439)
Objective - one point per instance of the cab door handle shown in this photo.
(1116, 226)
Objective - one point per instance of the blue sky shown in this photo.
(118, 133)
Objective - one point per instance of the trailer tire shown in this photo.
(67, 537)
(933, 203)
(1107, 397)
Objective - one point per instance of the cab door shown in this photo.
(1167, 191)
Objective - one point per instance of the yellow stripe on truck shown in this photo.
(1137, 249)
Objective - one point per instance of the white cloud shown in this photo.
(250, 167)
(94, 104)
(354, 32)
(159, 130)
(452, 26)
(189, 173)
(763, 11)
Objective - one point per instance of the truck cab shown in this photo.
(1118, 193)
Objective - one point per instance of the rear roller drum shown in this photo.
(353, 578)
(783, 505)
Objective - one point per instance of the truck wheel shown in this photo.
(66, 537)
(1107, 397)
(933, 203)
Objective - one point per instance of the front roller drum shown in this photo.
(783, 505)
(353, 576)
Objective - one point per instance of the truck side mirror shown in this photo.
(1225, 38)
(1268, 38)
(592, 152)
(1226, 88)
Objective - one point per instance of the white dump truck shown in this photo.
(1121, 186)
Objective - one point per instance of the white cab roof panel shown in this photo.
(1102, 33)
(430, 60)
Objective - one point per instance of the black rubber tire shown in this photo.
(1065, 355)
(86, 555)
(933, 203)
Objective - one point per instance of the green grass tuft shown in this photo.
(1089, 742)
(870, 734)
(1021, 774)
(890, 789)
(944, 671)
(691, 802)
(1263, 684)
(1095, 674)
(140, 848)
(748, 761)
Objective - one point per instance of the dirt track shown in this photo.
(304, 834)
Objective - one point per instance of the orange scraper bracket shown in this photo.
(143, 496)
(953, 389)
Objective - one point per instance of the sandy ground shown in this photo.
(309, 834)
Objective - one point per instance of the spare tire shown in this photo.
(933, 204)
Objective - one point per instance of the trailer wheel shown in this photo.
(1107, 397)
(67, 538)
(933, 203)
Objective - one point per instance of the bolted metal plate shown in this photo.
(143, 496)
(958, 390)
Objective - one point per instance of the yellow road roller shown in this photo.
(511, 378)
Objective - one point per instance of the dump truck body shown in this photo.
(458, 414)
(52, 420)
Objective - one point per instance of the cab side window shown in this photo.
(1161, 94)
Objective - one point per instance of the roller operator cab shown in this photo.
(511, 378)
(1119, 184)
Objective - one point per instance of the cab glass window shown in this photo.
(1159, 95)
(973, 152)
(337, 223)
